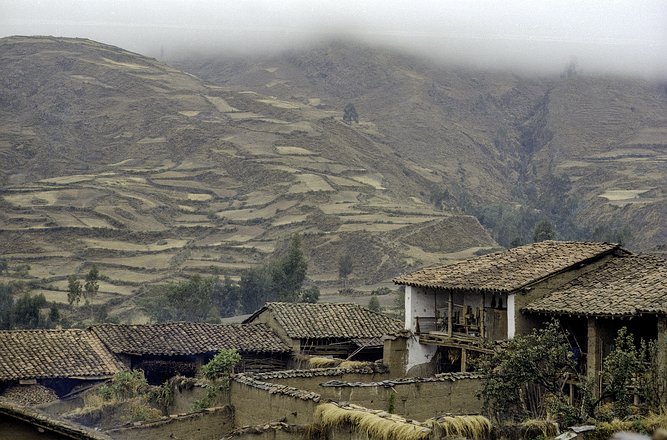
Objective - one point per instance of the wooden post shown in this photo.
(481, 316)
(450, 313)
(464, 360)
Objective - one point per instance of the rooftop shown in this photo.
(45, 422)
(626, 285)
(305, 320)
(42, 354)
(509, 270)
(188, 338)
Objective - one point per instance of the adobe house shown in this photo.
(339, 330)
(166, 349)
(454, 311)
(627, 291)
(21, 422)
(58, 359)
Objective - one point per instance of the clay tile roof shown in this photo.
(188, 338)
(623, 286)
(54, 425)
(509, 270)
(41, 354)
(305, 320)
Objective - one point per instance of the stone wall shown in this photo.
(210, 424)
(413, 398)
(257, 402)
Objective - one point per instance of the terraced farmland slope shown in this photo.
(589, 152)
(112, 158)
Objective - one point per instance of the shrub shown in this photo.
(222, 364)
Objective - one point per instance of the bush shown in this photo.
(222, 364)
(125, 385)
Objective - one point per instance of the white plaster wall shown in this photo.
(511, 325)
(417, 303)
(418, 353)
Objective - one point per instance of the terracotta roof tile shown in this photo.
(623, 286)
(509, 270)
(305, 320)
(41, 354)
(54, 425)
(188, 338)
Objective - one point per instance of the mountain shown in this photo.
(587, 153)
(113, 158)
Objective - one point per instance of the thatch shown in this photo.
(377, 425)
(471, 427)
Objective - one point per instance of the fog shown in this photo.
(623, 37)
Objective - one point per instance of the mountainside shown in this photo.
(112, 158)
(588, 153)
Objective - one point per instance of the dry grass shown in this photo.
(472, 427)
(322, 362)
(547, 428)
(378, 425)
(354, 364)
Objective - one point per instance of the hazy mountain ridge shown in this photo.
(588, 151)
(114, 158)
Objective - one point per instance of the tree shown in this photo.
(225, 296)
(345, 267)
(74, 290)
(350, 113)
(310, 295)
(374, 304)
(26, 312)
(91, 287)
(255, 288)
(544, 231)
(524, 369)
(620, 369)
(289, 271)
(6, 307)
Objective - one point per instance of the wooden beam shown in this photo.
(450, 313)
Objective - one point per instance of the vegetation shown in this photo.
(279, 280)
(374, 304)
(222, 365)
(218, 371)
(524, 369)
(389, 427)
(350, 113)
(27, 311)
(124, 385)
(469, 427)
(544, 231)
(191, 300)
(345, 267)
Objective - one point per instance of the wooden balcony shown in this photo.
(437, 331)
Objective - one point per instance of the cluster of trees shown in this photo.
(525, 379)
(207, 299)
(28, 311)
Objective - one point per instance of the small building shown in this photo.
(21, 422)
(166, 349)
(339, 330)
(454, 311)
(58, 359)
(628, 291)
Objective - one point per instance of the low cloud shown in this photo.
(624, 37)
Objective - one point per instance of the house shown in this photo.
(340, 330)
(164, 350)
(454, 311)
(58, 359)
(21, 422)
(628, 291)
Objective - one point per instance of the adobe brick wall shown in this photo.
(253, 406)
(210, 424)
(417, 400)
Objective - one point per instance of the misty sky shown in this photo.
(628, 37)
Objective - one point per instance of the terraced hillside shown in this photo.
(112, 158)
(590, 153)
